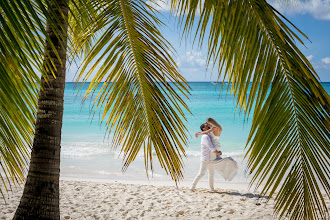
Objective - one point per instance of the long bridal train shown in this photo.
(226, 166)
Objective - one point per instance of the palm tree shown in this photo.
(290, 128)
(40, 199)
(142, 100)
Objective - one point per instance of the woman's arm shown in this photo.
(205, 132)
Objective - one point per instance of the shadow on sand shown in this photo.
(247, 195)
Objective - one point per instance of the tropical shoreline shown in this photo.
(109, 168)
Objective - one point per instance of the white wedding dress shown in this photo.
(225, 165)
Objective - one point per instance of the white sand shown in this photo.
(92, 200)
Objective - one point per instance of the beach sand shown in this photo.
(118, 200)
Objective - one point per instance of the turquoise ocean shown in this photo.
(86, 147)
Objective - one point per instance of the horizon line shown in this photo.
(196, 81)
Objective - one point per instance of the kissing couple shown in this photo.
(211, 155)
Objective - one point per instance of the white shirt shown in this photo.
(207, 148)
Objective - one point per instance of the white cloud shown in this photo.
(310, 57)
(319, 9)
(326, 60)
(160, 5)
(192, 58)
(322, 64)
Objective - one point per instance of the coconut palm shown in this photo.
(145, 109)
(289, 137)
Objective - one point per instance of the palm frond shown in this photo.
(20, 52)
(139, 105)
(22, 36)
(82, 17)
(289, 138)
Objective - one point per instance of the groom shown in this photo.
(209, 153)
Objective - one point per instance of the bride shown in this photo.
(226, 166)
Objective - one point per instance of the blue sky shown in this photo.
(311, 17)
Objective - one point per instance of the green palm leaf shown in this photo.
(22, 36)
(20, 53)
(289, 138)
(143, 109)
(82, 16)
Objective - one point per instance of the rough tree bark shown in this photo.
(40, 199)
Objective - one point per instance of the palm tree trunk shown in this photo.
(40, 199)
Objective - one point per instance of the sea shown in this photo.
(87, 152)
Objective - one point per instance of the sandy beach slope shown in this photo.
(92, 200)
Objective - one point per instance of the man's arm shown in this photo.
(207, 141)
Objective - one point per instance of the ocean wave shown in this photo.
(92, 149)
(85, 149)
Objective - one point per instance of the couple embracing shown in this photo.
(211, 158)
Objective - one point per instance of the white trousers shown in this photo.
(205, 165)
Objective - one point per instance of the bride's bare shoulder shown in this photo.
(216, 131)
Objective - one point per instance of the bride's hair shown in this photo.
(213, 122)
